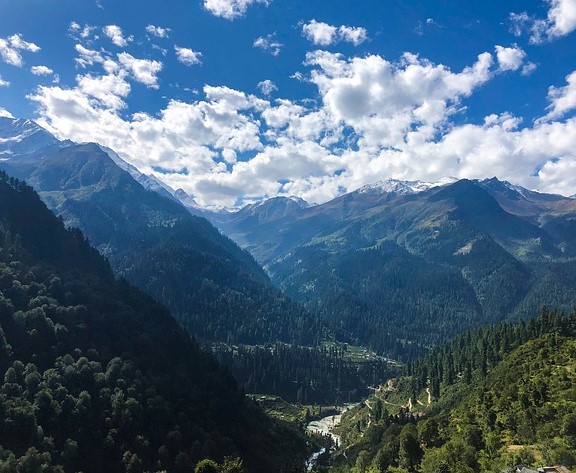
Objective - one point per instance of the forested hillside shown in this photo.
(402, 266)
(327, 374)
(492, 399)
(99, 377)
(213, 288)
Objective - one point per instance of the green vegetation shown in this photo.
(330, 374)
(98, 377)
(212, 287)
(502, 396)
(365, 295)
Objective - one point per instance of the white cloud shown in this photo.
(231, 9)
(268, 43)
(353, 34)
(562, 99)
(267, 87)
(106, 91)
(41, 70)
(114, 32)
(529, 68)
(3, 83)
(320, 33)
(5, 113)
(87, 57)
(80, 32)
(323, 34)
(376, 119)
(187, 56)
(184, 137)
(388, 103)
(158, 31)
(560, 21)
(10, 49)
(142, 70)
(510, 59)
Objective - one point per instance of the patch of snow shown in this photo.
(465, 250)
(147, 181)
(399, 187)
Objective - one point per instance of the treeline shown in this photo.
(96, 376)
(479, 351)
(305, 375)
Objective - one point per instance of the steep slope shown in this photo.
(25, 139)
(99, 377)
(215, 289)
(489, 400)
(365, 296)
(464, 254)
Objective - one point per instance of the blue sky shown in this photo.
(239, 100)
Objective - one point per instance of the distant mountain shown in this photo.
(24, 138)
(97, 377)
(398, 264)
(215, 289)
(398, 187)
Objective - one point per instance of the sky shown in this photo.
(236, 101)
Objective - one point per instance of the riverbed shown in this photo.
(326, 426)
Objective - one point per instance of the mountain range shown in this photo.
(396, 266)
(214, 289)
(401, 262)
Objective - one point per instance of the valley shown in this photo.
(361, 329)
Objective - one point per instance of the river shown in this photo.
(325, 426)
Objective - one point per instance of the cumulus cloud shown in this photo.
(386, 103)
(114, 32)
(562, 99)
(184, 138)
(187, 56)
(320, 33)
(353, 34)
(560, 21)
(144, 71)
(107, 91)
(41, 70)
(375, 119)
(5, 113)
(510, 59)
(231, 9)
(267, 87)
(11, 47)
(158, 31)
(529, 68)
(80, 32)
(268, 43)
(3, 83)
(87, 57)
(323, 34)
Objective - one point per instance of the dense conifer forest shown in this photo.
(99, 377)
(488, 400)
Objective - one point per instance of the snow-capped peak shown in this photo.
(147, 181)
(186, 199)
(24, 137)
(399, 187)
(281, 199)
